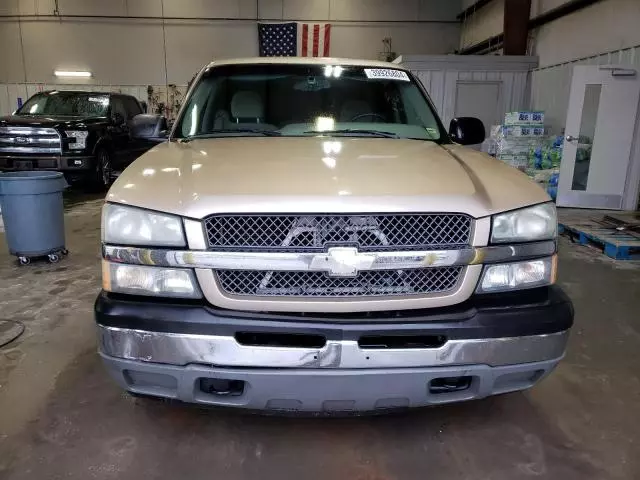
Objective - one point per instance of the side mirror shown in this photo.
(117, 118)
(150, 127)
(467, 130)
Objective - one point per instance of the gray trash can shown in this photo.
(33, 214)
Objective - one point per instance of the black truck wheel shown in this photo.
(102, 171)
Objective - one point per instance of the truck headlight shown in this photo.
(142, 280)
(123, 225)
(515, 276)
(81, 139)
(525, 225)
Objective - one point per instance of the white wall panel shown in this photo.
(9, 7)
(272, 9)
(92, 7)
(210, 8)
(365, 40)
(11, 67)
(36, 7)
(439, 10)
(192, 44)
(604, 26)
(374, 10)
(550, 86)
(144, 8)
(116, 52)
(306, 10)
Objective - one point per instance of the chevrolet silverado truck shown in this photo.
(85, 135)
(312, 239)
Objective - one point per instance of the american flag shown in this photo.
(294, 39)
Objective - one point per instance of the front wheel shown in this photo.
(101, 175)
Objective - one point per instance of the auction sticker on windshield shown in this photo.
(386, 74)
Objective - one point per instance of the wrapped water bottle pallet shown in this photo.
(618, 245)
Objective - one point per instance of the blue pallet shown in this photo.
(615, 244)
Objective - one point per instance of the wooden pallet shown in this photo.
(618, 245)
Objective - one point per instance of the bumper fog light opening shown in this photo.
(222, 387)
(449, 384)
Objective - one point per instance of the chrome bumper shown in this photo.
(302, 261)
(225, 351)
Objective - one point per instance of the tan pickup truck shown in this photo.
(311, 238)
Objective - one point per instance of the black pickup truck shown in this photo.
(85, 135)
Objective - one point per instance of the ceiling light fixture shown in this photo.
(71, 73)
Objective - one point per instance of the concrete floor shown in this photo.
(61, 417)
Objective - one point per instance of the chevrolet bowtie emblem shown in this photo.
(342, 261)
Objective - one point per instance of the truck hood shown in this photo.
(321, 175)
(51, 121)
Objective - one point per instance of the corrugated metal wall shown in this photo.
(442, 87)
(441, 75)
(550, 86)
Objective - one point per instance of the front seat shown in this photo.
(247, 108)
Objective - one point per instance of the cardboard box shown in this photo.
(522, 131)
(524, 118)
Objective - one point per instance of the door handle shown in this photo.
(571, 138)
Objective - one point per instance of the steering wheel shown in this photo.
(372, 114)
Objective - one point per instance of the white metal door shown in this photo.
(599, 137)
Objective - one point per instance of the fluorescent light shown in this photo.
(71, 73)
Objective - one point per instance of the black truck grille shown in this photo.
(29, 140)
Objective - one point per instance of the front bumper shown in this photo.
(496, 343)
(62, 163)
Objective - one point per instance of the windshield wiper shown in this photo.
(215, 133)
(354, 132)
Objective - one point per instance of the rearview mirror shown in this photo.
(467, 130)
(149, 127)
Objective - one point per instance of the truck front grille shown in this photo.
(28, 140)
(319, 284)
(317, 232)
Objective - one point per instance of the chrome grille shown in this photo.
(316, 232)
(319, 284)
(29, 140)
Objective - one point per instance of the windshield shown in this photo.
(299, 100)
(66, 103)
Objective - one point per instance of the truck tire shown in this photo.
(101, 175)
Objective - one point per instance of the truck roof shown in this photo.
(306, 61)
(87, 92)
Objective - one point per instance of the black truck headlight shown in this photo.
(80, 137)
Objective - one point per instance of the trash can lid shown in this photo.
(31, 183)
(29, 175)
